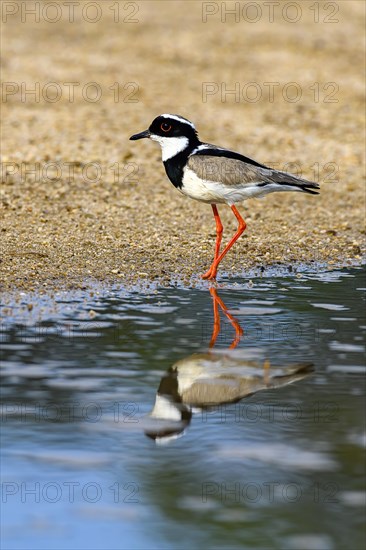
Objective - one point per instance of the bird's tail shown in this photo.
(296, 183)
(308, 187)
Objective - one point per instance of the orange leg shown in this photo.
(212, 272)
(266, 366)
(216, 327)
(238, 330)
(219, 230)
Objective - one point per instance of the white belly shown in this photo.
(216, 192)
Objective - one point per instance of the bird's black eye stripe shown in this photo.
(165, 126)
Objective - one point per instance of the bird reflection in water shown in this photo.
(218, 303)
(215, 378)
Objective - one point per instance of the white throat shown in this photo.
(170, 146)
(166, 409)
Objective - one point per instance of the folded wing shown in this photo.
(234, 170)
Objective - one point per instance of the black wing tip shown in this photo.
(305, 187)
(311, 191)
(305, 367)
(310, 188)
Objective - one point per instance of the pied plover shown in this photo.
(205, 380)
(215, 175)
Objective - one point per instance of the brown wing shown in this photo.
(235, 172)
(225, 170)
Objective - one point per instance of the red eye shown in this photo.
(165, 127)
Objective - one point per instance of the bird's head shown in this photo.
(173, 132)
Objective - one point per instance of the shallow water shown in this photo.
(281, 468)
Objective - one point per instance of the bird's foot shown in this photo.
(210, 274)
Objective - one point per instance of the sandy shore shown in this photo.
(81, 202)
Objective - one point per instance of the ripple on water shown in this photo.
(331, 307)
(283, 456)
(255, 311)
(69, 457)
(74, 384)
(347, 369)
(342, 346)
(94, 381)
(353, 498)
(309, 541)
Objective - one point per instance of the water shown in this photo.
(280, 468)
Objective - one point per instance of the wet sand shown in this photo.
(99, 207)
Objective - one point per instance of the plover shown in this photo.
(206, 380)
(215, 175)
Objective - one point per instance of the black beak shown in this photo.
(141, 135)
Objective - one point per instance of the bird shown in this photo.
(208, 380)
(215, 175)
(211, 379)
